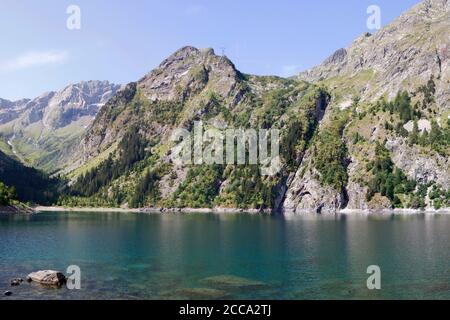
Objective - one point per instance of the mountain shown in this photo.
(402, 55)
(41, 132)
(387, 81)
(124, 158)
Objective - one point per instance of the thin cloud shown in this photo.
(194, 9)
(34, 59)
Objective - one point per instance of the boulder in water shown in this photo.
(16, 282)
(230, 281)
(47, 277)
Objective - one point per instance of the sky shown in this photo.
(122, 40)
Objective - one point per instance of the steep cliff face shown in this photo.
(306, 194)
(43, 131)
(424, 167)
(75, 102)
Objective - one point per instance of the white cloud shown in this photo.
(34, 59)
(290, 70)
(194, 9)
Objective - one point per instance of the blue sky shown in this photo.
(121, 40)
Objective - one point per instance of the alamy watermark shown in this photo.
(374, 20)
(374, 280)
(228, 146)
(73, 281)
(74, 20)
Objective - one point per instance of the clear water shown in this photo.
(203, 256)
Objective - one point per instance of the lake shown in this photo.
(229, 256)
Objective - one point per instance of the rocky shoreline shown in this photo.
(244, 211)
(16, 209)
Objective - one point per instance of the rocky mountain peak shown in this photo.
(188, 71)
(180, 55)
(185, 53)
(408, 51)
(4, 103)
(10, 109)
(76, 101)
(337, 57)
(53, 118)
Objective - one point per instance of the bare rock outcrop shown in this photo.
(419, 166)
(306, 194)
(47, 277)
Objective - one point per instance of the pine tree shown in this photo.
(414, 135)
(435, 134)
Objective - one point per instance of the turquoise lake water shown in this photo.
(232, 256)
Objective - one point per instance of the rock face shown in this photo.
(42, 131)
(189, 69)
(59, 109)
(420, 167)
(76, 101)
(10, 110)
(306, 194)
(47, 277)
(399, 56)
(356, 192)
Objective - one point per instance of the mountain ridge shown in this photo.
(34, 128)
(417, 41)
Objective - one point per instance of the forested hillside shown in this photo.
(29, 184)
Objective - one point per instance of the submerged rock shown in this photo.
(8, 293)
(232, 282)
(47, 277)
(16, 282)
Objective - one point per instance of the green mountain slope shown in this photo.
(134, 128)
